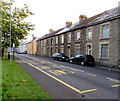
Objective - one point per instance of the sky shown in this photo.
(53, 14)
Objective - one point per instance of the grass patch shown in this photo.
(17, 84)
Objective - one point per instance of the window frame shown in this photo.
(77, 49)
(87, 36)
(62, 47)
(62, 39)
(69, 37)
(77, 39)
(100, 50)
(52, 41)
(56, 40)
(101, 30)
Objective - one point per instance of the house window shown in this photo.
(104, 50)
(40, 43)
(44, 42)
(89, 50)
(51, 41)
(78, 36)
(41, 51)
(44, 50)
(77, 50)
(105, 31)
(56, 40)
(62, 49)
(47, 42)
(68, 51)
(69, 37)
(89, 34)
(62, 39)
(51, 53)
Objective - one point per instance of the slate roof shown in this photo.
(107, 15)
(99, 18)
(49, 34)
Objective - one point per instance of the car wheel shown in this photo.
(71, 61)
(53, 58)
(82, 63)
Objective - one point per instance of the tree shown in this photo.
(16, 20)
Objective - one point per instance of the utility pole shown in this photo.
(10, 33)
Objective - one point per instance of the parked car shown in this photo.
(25, 52)
(19, 52)
(60, 56)
(83, 59)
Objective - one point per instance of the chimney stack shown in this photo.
(33, 37)
(51, 30)
(82, 17)
(68, 24)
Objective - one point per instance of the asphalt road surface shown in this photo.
(71, 81)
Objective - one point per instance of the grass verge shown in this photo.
(17, 84)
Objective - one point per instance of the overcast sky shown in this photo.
(54, 13)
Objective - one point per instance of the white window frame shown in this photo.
(77, 39)
(69, 37)
(56, 40)
(44, 42)
(87, 33)
(62, 38)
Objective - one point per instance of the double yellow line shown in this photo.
(71, 87)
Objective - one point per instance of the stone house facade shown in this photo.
(98, 36)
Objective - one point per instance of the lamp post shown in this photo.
(10, 33)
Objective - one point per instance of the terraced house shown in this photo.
(98, 36)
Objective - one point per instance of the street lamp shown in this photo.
(10, 33)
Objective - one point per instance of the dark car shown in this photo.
(83, 59)
(25, 52)
(60, 56)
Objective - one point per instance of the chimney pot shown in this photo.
(51, 30)
(68, 24)
(82, 17)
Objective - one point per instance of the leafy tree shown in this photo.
(16, 20)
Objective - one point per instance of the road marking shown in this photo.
(57, 72)
(115, 85)
(91, 74)
(71, 87)
(72, 68)
(113, 80)
(45, 67)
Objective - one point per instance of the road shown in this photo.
(71, 81)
